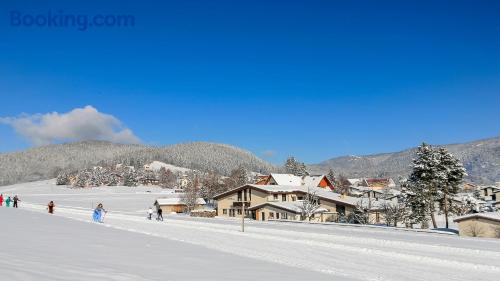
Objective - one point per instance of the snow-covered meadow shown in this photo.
(67, 246)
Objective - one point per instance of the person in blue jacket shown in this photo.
(7, 202)
(98, 215)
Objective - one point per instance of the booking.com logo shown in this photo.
(79, 21)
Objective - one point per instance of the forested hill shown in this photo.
(47, 161)
(480, 158)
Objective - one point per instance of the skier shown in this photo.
(98, 213)
(159, 214)
(50, 207)
(150, 213)
(1, 200)
(7, 202)
(16, 199)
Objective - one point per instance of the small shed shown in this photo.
(479, 225)
(176, 205)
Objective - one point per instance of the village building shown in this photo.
(479, 225)
(489, 193)
(321, 181)
(176, 205)
(265, 202)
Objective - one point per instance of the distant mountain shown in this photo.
(47, 161)
(480, 158)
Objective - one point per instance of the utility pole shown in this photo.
(242, 216)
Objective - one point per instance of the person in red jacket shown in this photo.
(1, 200)
(50, 207)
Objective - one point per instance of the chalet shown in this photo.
(489, 193)
(321, 181)
(479, 225)
(176, 205)
(264, 202)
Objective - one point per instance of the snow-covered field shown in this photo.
(68, 246)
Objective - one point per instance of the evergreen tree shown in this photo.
(436, 177)
(452, 173)
(422, 189)
(331, 176)
(292, 166)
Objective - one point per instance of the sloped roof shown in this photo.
(287, 179)
(289, 206)
(494, 216)
(313, 180)
(177, 201)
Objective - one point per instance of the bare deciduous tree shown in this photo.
(309, 205)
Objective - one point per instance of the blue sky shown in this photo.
(314, 79)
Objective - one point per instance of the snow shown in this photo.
(287, 179)
(39, 247)
(130, 247)
(157, 165)
(491, 215)
(177, 201)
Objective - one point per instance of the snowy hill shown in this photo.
(46, 162)
(481, 159)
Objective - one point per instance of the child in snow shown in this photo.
(150, 213)
(1, 200)
(50, 207)
(159, 214)
(16, 199)
(98, 213)
(7, 202)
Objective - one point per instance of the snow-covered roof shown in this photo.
(293, 206)
(489, 186)
(313, 180)
(293, 180)
(495, 216)
(177, 201)
(287, 179)
(289, 206)
(353, 181)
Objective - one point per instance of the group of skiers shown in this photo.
(97, 216)
(9, 200)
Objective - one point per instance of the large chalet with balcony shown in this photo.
(265, 202)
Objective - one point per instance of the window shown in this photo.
(224, 211)
(239, 212)
(277, 216)
(284, 216)
(300, 198)
(283, 197)
(293, 198)
(275, 196)
(271, 215)
(245, 194)
(231, 212)
(239, 195)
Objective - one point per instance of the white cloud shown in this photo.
(79, 124)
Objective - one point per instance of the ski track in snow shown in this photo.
(337, 254)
